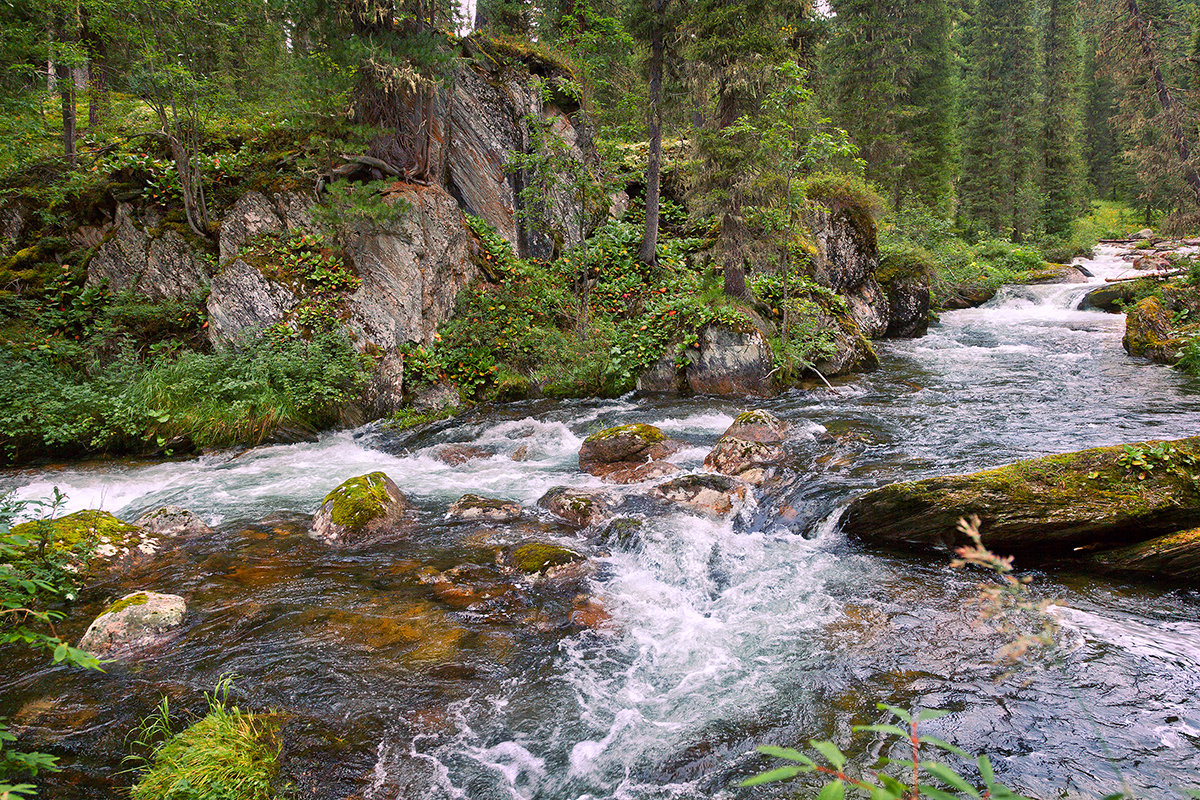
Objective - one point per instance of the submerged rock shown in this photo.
(1045, 508)
(133, 622)
(577, 506)
(536, 557)
(1175, 556)
(472, 507)
(361, 507)
(715, 495)
(172, 521)
(749, 447)
(628, 454)
(458, 454)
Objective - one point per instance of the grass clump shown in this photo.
(228, 753)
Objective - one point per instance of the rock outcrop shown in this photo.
(731, 362)
(361, 508)
(134, 622)
(146, 256)
(1055, 273)
(1056, 508)
(1149, 332)
(12, 228)
(906, 281)
(750, 447)
(243, 300)
(628, 454)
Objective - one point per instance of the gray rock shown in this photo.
(135, 621)
(869, 307)
(155, 262)
(847, 252)
(12, 227)
(713, 495)
(171, 521)
(473, 508)
(664, 376)
(908, 306)
(436, 397)
(731, 362)
(750, 447)
(581, 507)
(251, 215)
(243, 299)
(385, 391)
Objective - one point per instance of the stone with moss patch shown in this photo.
(536, 557)
(713, 495)
(87, 539)
(622, 447)
(1175, 556)
(173, 521)
(362, 506)
(1149, 333)
(1044, 508)
(577, 506)
(137, 620)
(473, 507)
(749, 447)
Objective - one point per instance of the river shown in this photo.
(770, 628)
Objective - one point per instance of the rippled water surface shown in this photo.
(770, 628)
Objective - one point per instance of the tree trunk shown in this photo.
(66, 89)
(97, 69)
(1166, 100)
(654, 163)
(733, 231)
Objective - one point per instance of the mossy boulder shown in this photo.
(361, 507)
(579, 507)
(536, 557)
(1175, 556)
(1042, 509)
(731, 361)
(474, 508)
(134, 622)
(1111, 297)
(749, 447)
(169, 521)
(712, 495)
(627, 453)
(905, 275)
(1149, 332)
(89, 541)
(1053, 273)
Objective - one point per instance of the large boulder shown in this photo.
(136, 621)
(749, 447)
(847, 250)
(1046, 508)
(1149, 332)
(360, 508)
(712, 495)
(627, 454)
(905, 279)
(91, 543)
(731, 361)
(1055, 273)
(1113, 296)
(147, 256)
(244, 300)
(869, 308)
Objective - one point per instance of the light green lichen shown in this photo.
(535, 557)
(80, 533)
(138, 599)
(647, 433)
(358, 501)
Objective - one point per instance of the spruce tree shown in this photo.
(1060, 145)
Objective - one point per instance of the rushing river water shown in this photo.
(770, 628)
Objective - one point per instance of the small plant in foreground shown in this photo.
(878, 784)
(228, 753)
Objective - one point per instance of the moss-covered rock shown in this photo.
(1113, 296)
(906, 277)
(88, 541)
(361, 507)
(534, 557)
(622, 449)
(1175, 556)
(1053, 273)
(1149, 332)
(135, 621)
(713, 495)
(750, 447)
(1043, 509)
(577, 506)
(473, 508)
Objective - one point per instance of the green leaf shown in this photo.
(985, 770)
(932, 713)
(833, 791)
(781, 774)
(936, 742)
(894, 730)
(830, 751)
(893, 785)
(949, 777)
(935, 793)
(896, 712)
(785, 752)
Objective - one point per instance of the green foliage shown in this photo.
(363, 207)
(409, 417)
(228, 753)
(1141, 461)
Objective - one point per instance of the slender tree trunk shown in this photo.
(654, 163)
(97, 69)
(1170, 106)
(66, 88)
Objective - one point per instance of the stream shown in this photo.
(770, 628)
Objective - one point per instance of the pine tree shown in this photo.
(1060, 145)
(1100, 138)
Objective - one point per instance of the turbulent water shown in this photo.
(770, 628)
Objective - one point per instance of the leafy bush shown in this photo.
(229, 753)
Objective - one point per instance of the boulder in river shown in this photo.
(91, 541)
(1111, 296)
(579, 507)
(458, 454)
(474, 508)
(1055, 273)
(135, 621)
(533, 558)
(749, 447)
(172, 521)
(714, 495)
(731, 361)
(1175, 555)
(361, 507)
(1045, 508)
(628, 454)
(1149, 332)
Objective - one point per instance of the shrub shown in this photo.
(229, 753)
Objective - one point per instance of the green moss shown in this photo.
(409, 417)
(904, 261)
(536, 557)
(647, 433)
(358, 501)
(756, 417)
(138, 599)
(82, 532)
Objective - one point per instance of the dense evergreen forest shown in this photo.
(978, 140)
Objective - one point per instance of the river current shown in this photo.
(770, 628)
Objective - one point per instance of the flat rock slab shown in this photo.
(1043, 509)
